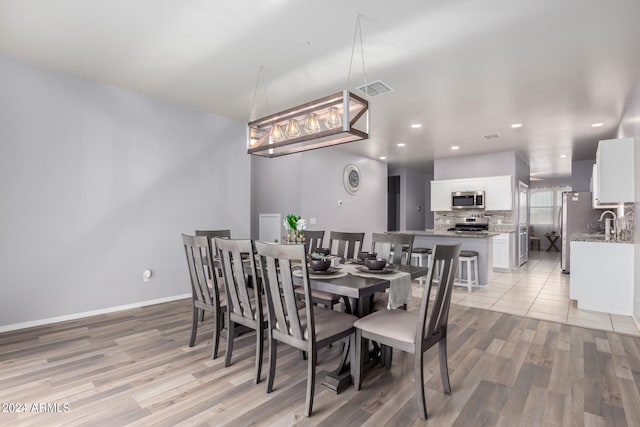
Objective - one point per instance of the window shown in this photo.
(545, 205)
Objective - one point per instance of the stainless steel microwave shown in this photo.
(467, 200)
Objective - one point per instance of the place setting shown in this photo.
(322, 265)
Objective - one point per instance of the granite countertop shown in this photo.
(502, 228)
(436, 233)
(598, 238)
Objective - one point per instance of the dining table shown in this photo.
(359, 286)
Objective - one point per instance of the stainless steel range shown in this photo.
(470, 227)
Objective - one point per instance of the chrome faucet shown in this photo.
(609, 224)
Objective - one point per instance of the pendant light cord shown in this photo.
(255, 93)
(357, 34)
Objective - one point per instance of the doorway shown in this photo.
(393, 203)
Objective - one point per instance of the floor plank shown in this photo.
(135, 368)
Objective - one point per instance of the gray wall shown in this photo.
(630, 127)
(475, 166)
(97, 184)
(312, 187)
(581, 171)
(412, 195)
(429, 216)
(275, 188)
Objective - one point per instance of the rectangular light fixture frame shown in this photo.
(353, 111)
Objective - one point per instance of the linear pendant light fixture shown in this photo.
(332, 120)
(324, 122)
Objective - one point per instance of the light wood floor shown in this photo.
(135, 367)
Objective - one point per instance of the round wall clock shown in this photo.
(351, 178)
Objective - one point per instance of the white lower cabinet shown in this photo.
(602, 276)
(502, 253)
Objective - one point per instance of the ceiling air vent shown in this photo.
(374, 89)
(491, 136)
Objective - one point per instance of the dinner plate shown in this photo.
(329, 271)
(386, 270)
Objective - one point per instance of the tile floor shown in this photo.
(539, 290)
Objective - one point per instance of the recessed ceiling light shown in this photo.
(597, 125)
(416, 125)
(455, 147)
(563, 156)
(402, 144)
(516, 125)
(382, 158)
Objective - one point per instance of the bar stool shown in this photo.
(419, 256)
(467, 258)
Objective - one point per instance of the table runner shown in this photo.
(399, 285)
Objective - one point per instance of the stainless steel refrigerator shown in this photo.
(578, 216)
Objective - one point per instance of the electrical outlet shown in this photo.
(146, 275)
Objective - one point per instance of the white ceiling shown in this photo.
(461, 68)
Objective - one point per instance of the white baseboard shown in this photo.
(31, 324)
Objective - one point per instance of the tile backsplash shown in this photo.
(500, 221)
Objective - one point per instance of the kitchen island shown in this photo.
(481, 242)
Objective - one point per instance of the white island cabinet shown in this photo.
(602, 276)
(502, 253)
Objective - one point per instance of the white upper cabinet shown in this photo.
(498, 193)
(595, 199)
(475, 184)
(440, 195)
(616, 163)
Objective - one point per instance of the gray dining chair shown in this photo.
(383, 244)
(345, 244)
(398, 244)
(411, 332)
(244, 304)
(206, 295)
(313, 240)
(308, 329)
(211, 235)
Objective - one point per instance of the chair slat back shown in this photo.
(346, 243)
(276, 263)
(199, 258)
(400, 244)
(211, 235)
(234, 255)
(313, 239)
(447, 257)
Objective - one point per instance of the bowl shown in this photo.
(362, 256)
(319, 265)
(322, 251)
(375, 264)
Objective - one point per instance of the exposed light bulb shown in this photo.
(333, 118)
(293, 130)
(276, 133)
(312, 125)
